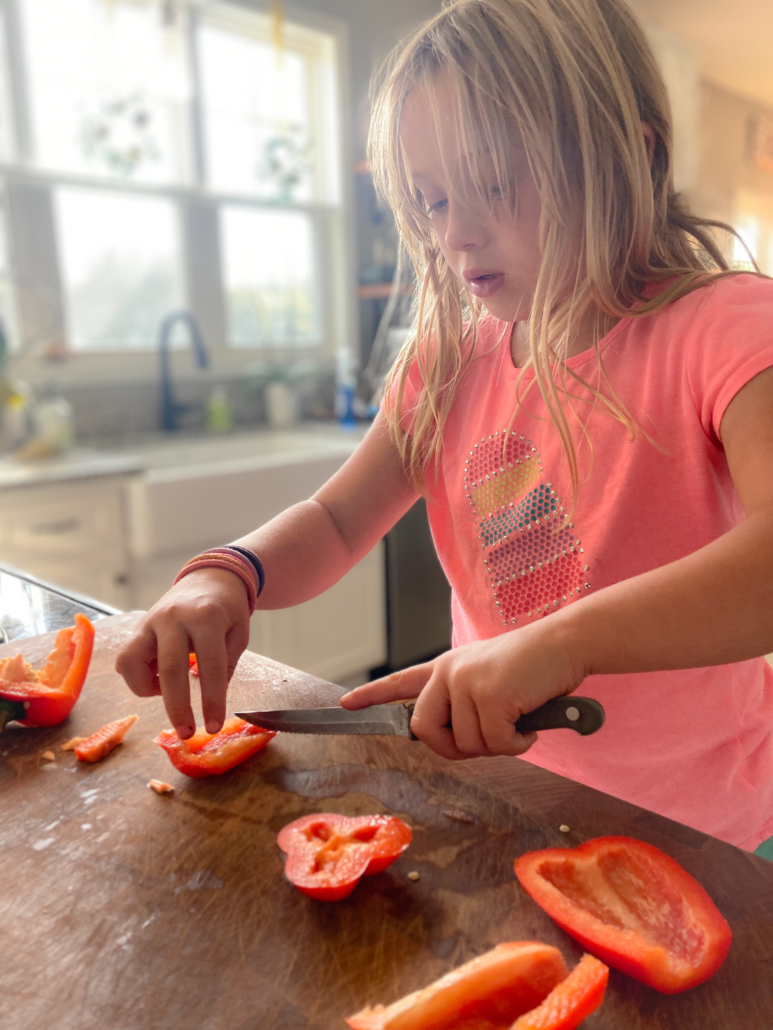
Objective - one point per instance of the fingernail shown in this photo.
(213, 726)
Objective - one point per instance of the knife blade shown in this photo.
(582, 714)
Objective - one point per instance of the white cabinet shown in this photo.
(339, 634)
(72, 534)
(121, 539)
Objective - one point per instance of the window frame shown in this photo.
(32, 233)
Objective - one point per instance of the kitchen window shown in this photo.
(167, 155)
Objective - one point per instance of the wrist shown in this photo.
(562, 634)
(239, 561)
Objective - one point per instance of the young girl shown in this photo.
(587, 406)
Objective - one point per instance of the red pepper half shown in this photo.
(488, 992)
(45, 697)
(209, 754)
(633, 907)
(328, 854)
(571, 1001)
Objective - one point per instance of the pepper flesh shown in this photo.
(328, 854)
(209, 754)
(570, 1001)
(632, 906)
(100, 744)
(487, 993)
(45, 697)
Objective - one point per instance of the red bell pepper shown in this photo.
(327, 853)
(100, 744)
(209, 754)
(633, 907)
(45, 697)
(571, 1001)
(193, 664)
(489, 992)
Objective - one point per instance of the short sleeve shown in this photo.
(730, 342)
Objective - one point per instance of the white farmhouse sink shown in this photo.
(204, 454)
(201, 491)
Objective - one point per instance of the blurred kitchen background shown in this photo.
(199, 294)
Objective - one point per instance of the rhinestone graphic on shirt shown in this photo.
(533, 557)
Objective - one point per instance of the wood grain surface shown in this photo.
(123, 909)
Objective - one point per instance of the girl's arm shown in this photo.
(710, 608)
(304, 551)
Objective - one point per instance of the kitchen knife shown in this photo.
(582, 714)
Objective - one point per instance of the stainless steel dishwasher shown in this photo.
(418, 593)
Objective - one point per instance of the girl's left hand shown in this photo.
(481, 689)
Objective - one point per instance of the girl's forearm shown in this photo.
(303, 554)
(710, 608)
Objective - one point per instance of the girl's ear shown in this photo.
(649, 140)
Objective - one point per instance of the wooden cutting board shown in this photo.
(120, 908)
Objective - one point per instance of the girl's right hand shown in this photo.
(206, 612)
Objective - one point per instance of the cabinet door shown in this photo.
(71, 535)
(335, 635)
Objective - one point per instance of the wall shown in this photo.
(375, 26)
(724, 171)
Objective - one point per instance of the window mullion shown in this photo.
(196, 114)
(37, 273)
(21, 107)
(203, 274)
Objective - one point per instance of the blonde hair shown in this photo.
(575, 79)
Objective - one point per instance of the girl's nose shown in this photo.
(465, 226)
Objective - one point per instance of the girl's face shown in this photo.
(495, 254)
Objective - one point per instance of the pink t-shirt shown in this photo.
(695, 745)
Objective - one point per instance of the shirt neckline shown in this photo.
(650, 290)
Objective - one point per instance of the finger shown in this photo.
(500, 736)
(398, 686)
(236, 642)
(466, 726)
(173, 650)
(136, 662)
(212, 657)
(431, 717)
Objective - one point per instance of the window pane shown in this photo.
(257, 124)
(108, 87)
(748, 229)
(120, 264)
(268, 271)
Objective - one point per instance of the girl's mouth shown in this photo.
(485, 284)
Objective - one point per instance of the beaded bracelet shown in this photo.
(234, 559)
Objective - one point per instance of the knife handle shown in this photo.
(584, 715)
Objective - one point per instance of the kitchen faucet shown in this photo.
(170, 409)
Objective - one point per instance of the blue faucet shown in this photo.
(170, 409)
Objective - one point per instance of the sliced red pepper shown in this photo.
(105, 740)
(328, 854)
(209, 754)
(45, 697)
(571, 1001)
(489, 992)
(193, 664)
(633, 907)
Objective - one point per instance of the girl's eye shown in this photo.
(437, 207)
